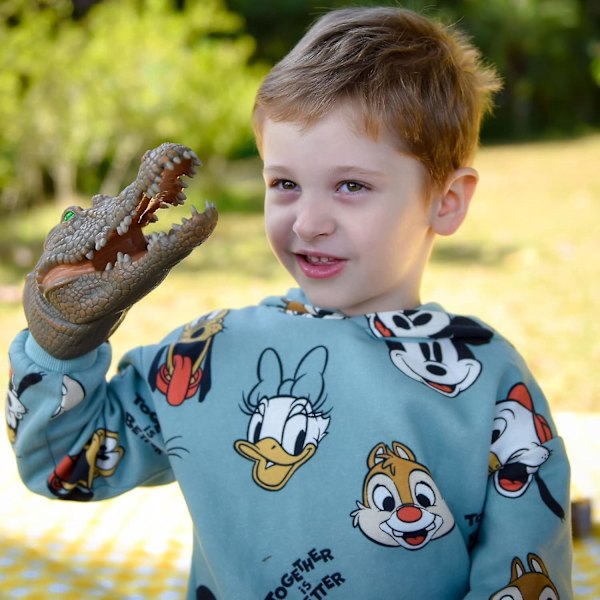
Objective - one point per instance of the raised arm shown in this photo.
(97, 262)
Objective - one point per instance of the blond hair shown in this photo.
(423, 82)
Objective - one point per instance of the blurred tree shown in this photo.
(82, 99)
(544, 50)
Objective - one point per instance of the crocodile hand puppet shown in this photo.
(97, 262)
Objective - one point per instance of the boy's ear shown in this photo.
(450, 206)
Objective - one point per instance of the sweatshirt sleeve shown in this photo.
(77, 435)
(524, 543)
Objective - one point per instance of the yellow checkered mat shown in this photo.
(586, 568)
(107, 550)
(135, 547)
(54, 550)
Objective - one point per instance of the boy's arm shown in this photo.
(97, 262)
(524, 540)
(77, 436)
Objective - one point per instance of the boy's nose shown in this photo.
(313, 219)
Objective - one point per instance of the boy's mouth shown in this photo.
(320, 266)
(319, 260)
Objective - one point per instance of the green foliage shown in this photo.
(82, 100)
(545, 50)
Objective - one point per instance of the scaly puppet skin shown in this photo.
(97, 262)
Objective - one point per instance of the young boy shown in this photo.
(346, 440)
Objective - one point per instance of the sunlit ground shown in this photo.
(526, 261)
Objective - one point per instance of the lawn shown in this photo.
(526, 261)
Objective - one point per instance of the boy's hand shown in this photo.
(97, 262)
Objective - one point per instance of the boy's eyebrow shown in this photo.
(276, 168)
(355, 170)
(338, 171)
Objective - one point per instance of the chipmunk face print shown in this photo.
(517, 451)
(401, 503)
(532, 585)
(286, 419)
(439, 356)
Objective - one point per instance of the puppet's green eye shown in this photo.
(69, 214)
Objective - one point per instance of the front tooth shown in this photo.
(186, 154)
(90, 255)
(169, 165)
(126, 258)
(119, 257)
(108, 267)
(176, 160)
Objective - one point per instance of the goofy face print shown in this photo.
(518, 448)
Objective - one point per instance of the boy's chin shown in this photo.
(334, 300)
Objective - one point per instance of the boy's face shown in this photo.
(346, 214)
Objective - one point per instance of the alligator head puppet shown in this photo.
(97, 262)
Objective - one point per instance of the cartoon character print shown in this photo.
(517, 451)
(439, 356)
(186, 368)
(72, 394)
(401, 505)
(74, 475)
(15, 409)
(287, 423)
(204, 593)
(533, 585)
(294, 307)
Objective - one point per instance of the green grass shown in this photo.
(526, 261)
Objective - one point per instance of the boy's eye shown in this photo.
(351, 187)
(284, 184)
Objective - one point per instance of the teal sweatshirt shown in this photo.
(402, 455)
